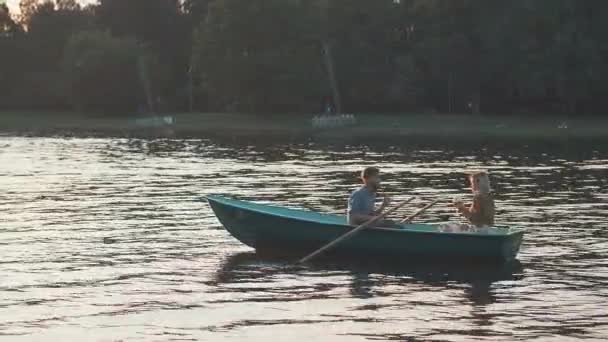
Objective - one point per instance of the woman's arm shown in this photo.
(471, 211)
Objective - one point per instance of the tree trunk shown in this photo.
(450, 95)
(476, 102)
(144, 77)
(332, 77)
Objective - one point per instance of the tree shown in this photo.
(269, 55)
(196, 10)
(102, 72)
(161, 26)
(11, 66)
(8, 26)
(27, 8)
(259, 56)
(48, 26)
(374, 66)
(150, 21)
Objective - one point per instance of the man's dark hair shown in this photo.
(369, 172)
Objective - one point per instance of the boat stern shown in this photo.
(512, 244)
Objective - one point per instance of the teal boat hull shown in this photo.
(266, 227)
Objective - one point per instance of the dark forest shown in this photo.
(267, 56)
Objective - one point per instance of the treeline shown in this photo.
(259, 56)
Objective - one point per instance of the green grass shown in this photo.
(369, 126)
(469, 126)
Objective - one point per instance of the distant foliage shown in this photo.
(258, 56)
(102, 72)
(163, 28)
(10, 41)
(476, 56)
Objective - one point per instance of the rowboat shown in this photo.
(269, 227)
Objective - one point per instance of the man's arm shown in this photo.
(386, 201)
(361, 218)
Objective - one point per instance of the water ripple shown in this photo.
(109, 238)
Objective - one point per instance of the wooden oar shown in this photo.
(354, 231)
(419, 212)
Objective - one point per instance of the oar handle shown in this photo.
(419, 212)
(354, 231)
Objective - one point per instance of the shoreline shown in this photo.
(299, 127)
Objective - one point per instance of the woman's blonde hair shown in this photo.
(480, 182)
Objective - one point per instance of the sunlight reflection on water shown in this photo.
(108, 238)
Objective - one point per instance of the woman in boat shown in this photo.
(362, 202)
(481, 212)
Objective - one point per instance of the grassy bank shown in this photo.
(369, 126)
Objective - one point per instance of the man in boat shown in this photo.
(362, 202)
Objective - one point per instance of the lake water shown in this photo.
(108, 240)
